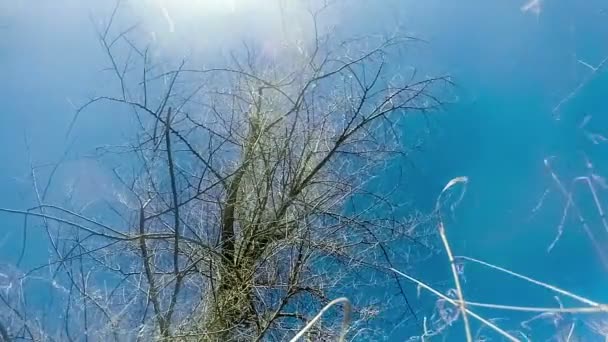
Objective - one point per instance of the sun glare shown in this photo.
(207, 7)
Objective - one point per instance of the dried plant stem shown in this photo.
(461, 303)
(444, 239)
(576, 210)
(534, 281)
(345, 319)
(581, 310)
(578, 88)
(457, 304)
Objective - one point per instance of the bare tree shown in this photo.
(243, 203)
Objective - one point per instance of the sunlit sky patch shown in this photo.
(196, 27)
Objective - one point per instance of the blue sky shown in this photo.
(510, 67)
